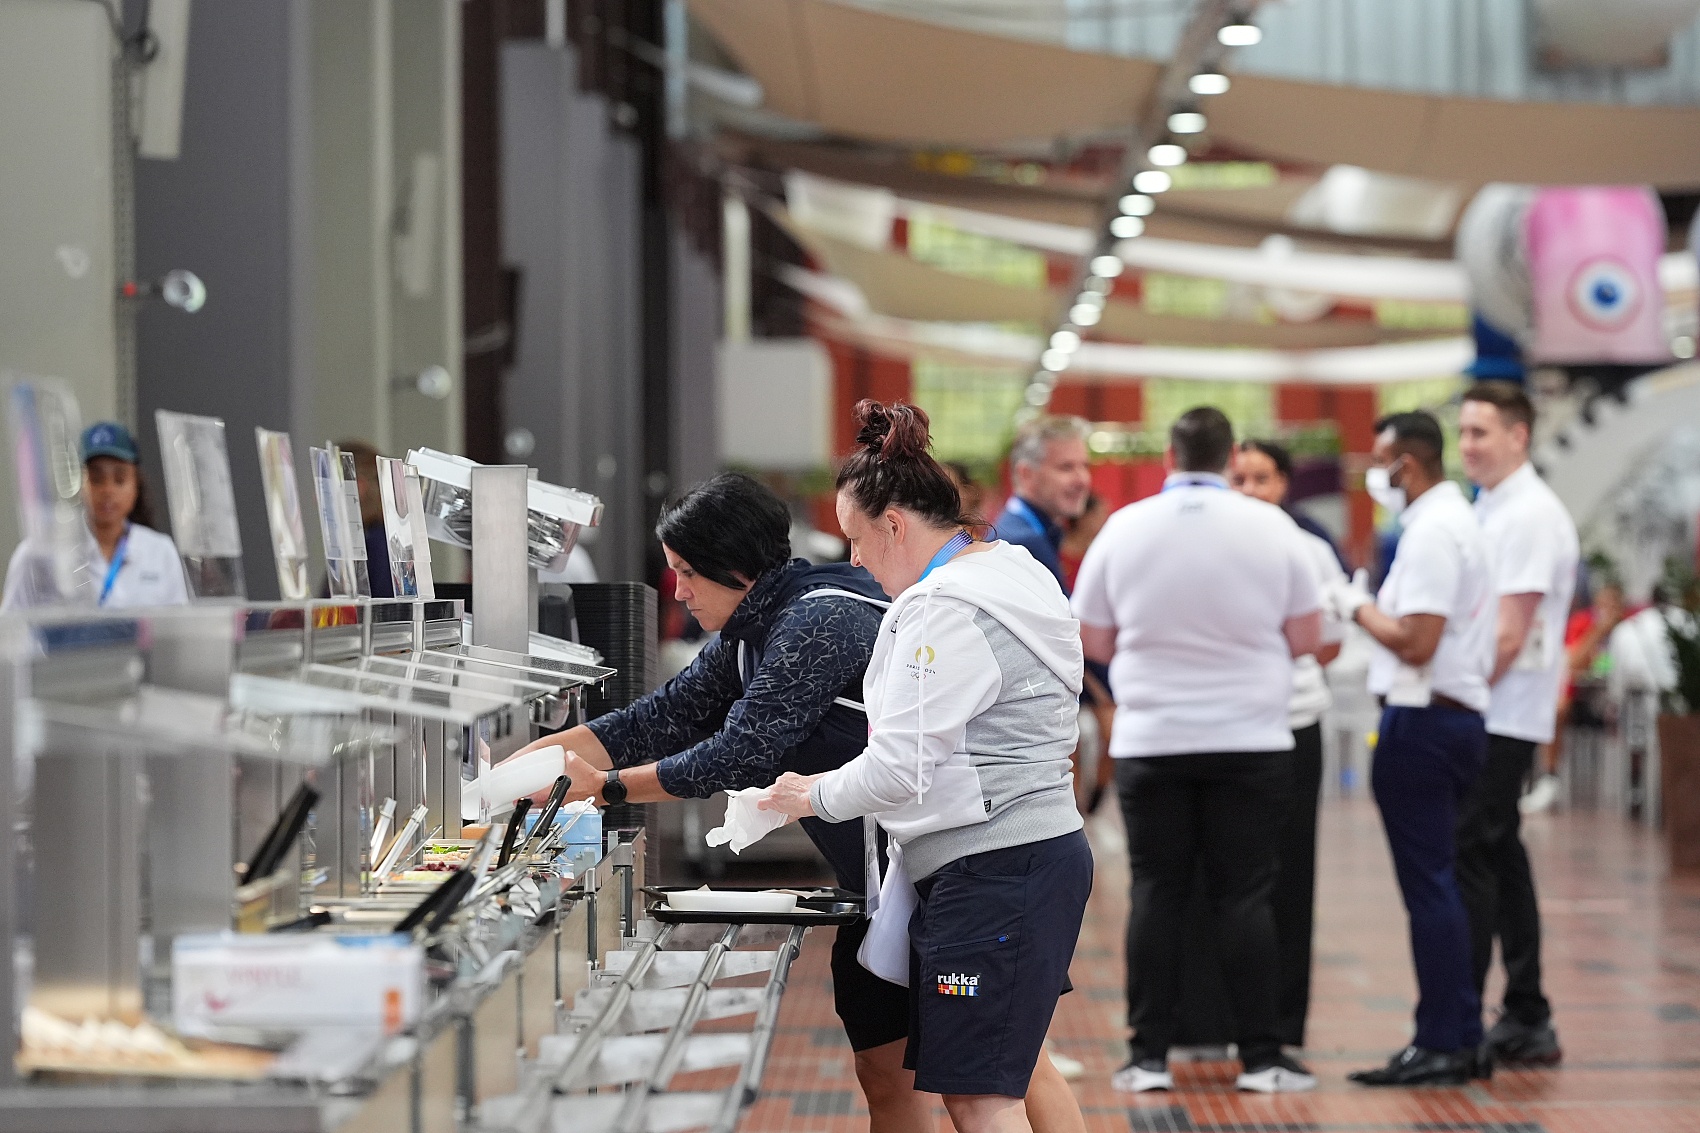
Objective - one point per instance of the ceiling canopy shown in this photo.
(869, 75)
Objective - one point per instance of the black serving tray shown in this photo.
(828, 907)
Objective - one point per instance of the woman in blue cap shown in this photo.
(131, 563)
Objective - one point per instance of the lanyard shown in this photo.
(1016, 503)
(947, 552)
(116, 565)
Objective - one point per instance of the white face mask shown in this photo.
(1378, 482)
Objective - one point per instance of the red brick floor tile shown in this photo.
(1622, 959)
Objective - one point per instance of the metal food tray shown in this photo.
(826, 907)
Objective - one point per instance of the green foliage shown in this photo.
(1683, 587)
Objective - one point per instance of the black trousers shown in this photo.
(1223, 810)
(1293, 899)
(1494, 877)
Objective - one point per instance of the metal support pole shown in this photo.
(501, 571)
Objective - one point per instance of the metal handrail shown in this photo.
(673, 1050)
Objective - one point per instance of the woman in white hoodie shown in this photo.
(972, 697)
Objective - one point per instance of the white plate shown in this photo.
(728, 901)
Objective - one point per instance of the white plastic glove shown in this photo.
(746, 824)
(1348, 597)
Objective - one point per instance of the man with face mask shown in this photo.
(1433, 627)
(1536, 552)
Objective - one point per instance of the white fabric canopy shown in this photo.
(1098, 361)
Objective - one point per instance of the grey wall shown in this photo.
(697, 315)
(223, 210)
(570, 224)
(57, 253)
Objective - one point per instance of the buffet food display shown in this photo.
(264, 878)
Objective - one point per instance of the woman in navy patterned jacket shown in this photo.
(778, 690)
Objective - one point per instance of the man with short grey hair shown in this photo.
(1049, 470)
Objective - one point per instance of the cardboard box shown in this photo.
(293, 982)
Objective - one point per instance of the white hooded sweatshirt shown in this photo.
(973, 698)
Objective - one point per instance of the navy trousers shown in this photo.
(1426, 759)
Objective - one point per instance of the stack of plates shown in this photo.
(619, 620)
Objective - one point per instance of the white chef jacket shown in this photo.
(150, 575)
(1535, 551)
(1442, 567)
(1311, 697)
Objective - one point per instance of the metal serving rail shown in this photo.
(635, 1028)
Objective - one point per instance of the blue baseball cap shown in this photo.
(109, 438)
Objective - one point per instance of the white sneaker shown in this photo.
(1541, 796)
(1283, 1076)
(1072, 1069)
(1138, 1077)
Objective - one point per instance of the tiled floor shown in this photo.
(1623, 969)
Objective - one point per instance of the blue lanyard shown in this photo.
(116, 565)
(947, 552)
(1016, 503)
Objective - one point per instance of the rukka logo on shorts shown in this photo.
(958, 983)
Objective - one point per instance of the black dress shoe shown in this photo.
(1518, 1043)
(1481, 1062)
(1415, 1066)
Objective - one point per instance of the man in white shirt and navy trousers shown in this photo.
(1199, 598)
(1536, 552)
(1433, 626)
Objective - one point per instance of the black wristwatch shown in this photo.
(613, 791)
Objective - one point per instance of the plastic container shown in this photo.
(587, 831)
(525, 775)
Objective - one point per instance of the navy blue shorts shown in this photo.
(873, 1011)
(990, 946)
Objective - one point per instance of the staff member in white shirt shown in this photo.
(1263, 470)
(1433, 625)
(1199, 599)
(130, 563)
(1536, 551)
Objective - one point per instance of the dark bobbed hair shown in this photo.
(1418, 434)
(1277, 453)
(1202, 440)
(1508, 397)
(891, 467)
(728, 526)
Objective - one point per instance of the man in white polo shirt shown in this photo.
(1199, 598)
(1536, 552)
(1433, 626)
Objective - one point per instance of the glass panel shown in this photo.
(283, 512)
(203, 503)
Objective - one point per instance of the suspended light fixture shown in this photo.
(1240, 34)
(1127, 227)
(1085, 315)
(1054, 360)
(1107, 267)
(1136, 204)
(1167, 154)
(1152, 181)
(1208, 83)
(1067, 341)
(1186, 122)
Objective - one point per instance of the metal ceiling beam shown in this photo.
(1200, 50)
